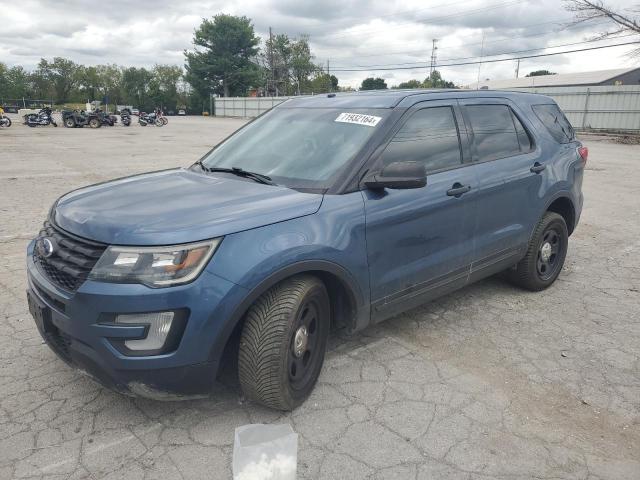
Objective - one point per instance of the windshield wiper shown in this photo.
(258, 177)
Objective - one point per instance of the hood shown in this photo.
(177, 206)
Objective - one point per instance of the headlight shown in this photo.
(154, 266)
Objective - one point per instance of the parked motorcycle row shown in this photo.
(81, 118)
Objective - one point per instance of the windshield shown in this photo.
(298, 147)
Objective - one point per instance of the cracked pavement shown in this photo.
(488, 382)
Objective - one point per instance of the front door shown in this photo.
(420, 241)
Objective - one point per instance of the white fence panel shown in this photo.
(608, 107)
(613, 108)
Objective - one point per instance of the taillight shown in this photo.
(584, 154)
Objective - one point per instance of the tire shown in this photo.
(94, 123)
(143, 123)
(70, 122)
(6, 122)
(164, 120)
(159, 122)
(545, 255)
(270, 368)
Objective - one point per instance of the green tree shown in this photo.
(435, 80)
(15, 82)
(410, 84)
(62, 76)
(221, 62)
(373, 84)
(322, 82)
(288, 66)
(135, 86)
(539, 73)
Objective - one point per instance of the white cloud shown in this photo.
(351, 33)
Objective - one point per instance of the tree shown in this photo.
(539, 73)
(15, 82)
(222, 60)
(624, 20)
(322, 82)
(135, 84)
(373, 84)
(62, 75)
(288, 66)
(410, 84)
(435, 80)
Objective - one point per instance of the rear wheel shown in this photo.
(283, 342)
(70, 122)
(545, 255)
(94, 123)
(6, 121)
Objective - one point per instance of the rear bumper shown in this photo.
(75, 332)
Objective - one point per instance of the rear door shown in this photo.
(510, 172)
(420, 241)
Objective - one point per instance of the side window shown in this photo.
(430, 136)
(523, 137)
(554, 120)
(495, 132)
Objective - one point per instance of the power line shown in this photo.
(484, 60)
(499, 40)
(497, 54)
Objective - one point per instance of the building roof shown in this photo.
(562, 79)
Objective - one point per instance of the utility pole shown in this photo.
(480, 64)
(434, 56)
(518, 68)
(272, 69)
(329, 77)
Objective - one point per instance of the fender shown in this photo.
(559, 194)
(360, 307)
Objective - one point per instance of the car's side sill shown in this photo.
(416, 295)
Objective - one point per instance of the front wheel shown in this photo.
(159, 122)
(6, 121)
(70, 122)
(94, 123)
(283, 342)
(545, 255)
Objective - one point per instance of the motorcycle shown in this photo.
(5, 121)
(105, 118)
(43, 117)
(147, 118)
(75, 118)
(125, 117)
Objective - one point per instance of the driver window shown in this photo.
(429, 136)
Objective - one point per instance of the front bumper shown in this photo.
(73, 330)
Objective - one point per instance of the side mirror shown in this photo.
(398, 175)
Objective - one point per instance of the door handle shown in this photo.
(537, 168)
(457, 190)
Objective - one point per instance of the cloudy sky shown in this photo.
(375, 37)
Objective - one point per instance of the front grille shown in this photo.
(72, 258)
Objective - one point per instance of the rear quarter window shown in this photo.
(555, 122)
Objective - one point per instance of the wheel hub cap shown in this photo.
(300, 341)
(545, 252)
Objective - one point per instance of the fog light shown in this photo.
(159, 326)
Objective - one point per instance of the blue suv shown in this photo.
(334, 211)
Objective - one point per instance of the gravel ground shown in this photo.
(488, 382)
